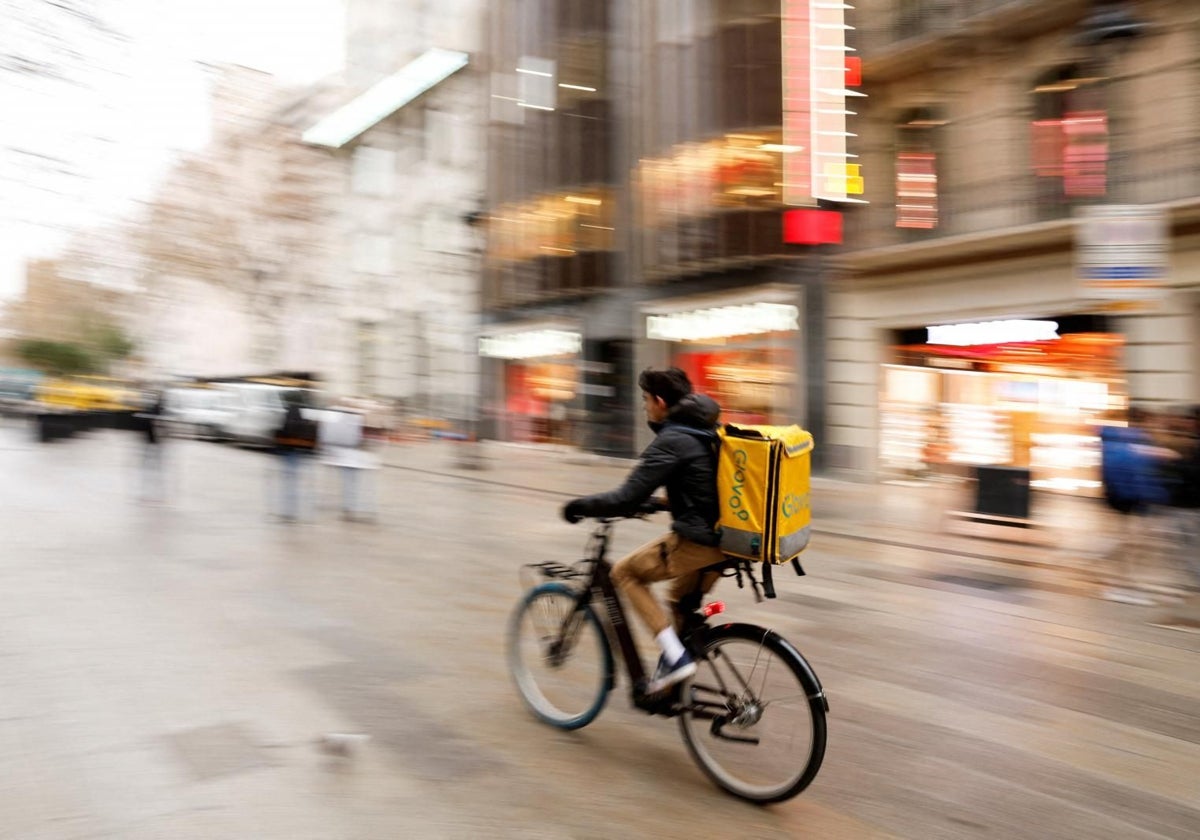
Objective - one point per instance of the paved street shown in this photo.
(170, 669)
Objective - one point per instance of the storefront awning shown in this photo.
(386, 98)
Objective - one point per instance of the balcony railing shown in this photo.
(1149, 174)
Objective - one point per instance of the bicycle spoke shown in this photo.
(784, 700)
(751, 724)
(559, 657)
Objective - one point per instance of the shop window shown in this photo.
(917, 169)
(753, 378)
(1069, 137)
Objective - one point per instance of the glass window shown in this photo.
(373, 171)
(1069, 139)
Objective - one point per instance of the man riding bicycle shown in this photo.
(680, 458)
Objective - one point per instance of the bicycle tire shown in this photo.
(559, 599)
(736, 765)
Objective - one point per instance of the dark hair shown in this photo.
(671, 384)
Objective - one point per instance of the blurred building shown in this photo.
(1007, 139)
(57, 306)
(239, 248)
(406, 137)
(642, 162)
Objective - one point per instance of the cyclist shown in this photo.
(681, 459)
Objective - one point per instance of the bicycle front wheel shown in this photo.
(754, 714)
(559, 657)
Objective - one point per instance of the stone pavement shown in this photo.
(172, 671)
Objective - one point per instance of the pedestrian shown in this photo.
(344, 447)
(1131, 471)
(295, 442)
(152, 472)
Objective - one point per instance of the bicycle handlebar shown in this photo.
(648, 509)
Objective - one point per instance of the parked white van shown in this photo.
(198, 412)
(257, 411)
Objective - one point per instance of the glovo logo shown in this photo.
(793, 504)
(739, 481)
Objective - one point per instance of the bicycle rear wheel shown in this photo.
(563, 677)
(754, 714)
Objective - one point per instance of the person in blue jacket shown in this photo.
(1132, 474)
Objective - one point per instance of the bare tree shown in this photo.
(249, 214)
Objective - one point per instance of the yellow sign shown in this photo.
(844, 177)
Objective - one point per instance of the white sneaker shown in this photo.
(666, 675)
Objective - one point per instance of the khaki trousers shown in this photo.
(670, 557)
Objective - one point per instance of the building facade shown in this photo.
(636, 216)
(236, 249)
(406, 136)
(1036, 164)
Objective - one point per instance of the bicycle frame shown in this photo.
(722, 704)
(601, 588)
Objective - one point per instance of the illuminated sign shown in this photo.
(1122, 252)
(531, 344)
(809, 226)
(817, 77)
(797, 103)
(916, 190)
(723, 322)
(992, 332)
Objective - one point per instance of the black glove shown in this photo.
(573, 511)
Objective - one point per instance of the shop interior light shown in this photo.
(780, 147)
(992, 332)
(580, 199)
(584, 88)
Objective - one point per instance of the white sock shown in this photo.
(672, 648)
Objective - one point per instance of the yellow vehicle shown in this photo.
(86, 393)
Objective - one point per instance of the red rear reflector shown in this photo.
(715, 608)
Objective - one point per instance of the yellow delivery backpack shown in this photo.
(763, 483)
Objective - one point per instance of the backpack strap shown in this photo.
(768, 584)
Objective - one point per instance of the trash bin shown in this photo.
(1002, 491)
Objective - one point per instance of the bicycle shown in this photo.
(754, 725)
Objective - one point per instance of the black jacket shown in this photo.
(682, 457)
